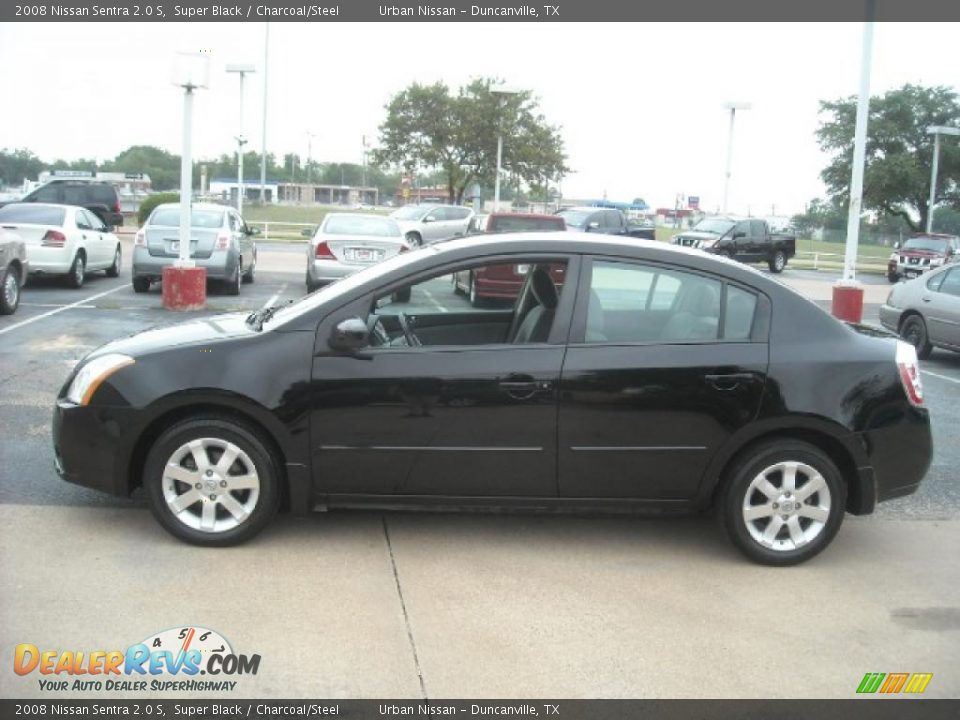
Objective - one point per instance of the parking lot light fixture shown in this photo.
(242, 71)
(501, 93)
(732, 107)
(936, 131)
(184, 285)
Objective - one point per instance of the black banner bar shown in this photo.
(476, 11)
(783, 709)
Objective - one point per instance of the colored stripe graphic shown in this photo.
(870, 682)
(894, 683)
(918, 682)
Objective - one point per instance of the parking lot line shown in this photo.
(77, 304)
(942, 377)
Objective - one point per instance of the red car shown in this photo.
(503, 282)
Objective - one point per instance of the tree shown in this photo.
(19, 165)
(899, 151)
(428, 127)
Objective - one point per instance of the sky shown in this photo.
(640, 105)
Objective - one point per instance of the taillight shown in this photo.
(908, 367)
(116, 206)
(323, 251)
(140, 238)
(223, 241)
(53, 238)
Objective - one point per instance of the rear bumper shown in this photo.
(506, 289)
(890, 317)
(324, 271)
(221, 265)
(50, 260)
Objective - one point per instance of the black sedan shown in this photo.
(650, 378)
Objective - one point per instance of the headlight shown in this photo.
(89, 377)
(708, 243)
(936, 261)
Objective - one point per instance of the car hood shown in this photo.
(920, 253)
(698, 235)
(194, 332)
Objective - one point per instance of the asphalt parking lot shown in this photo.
(399, 605)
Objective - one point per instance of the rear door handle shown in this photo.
(727, 381)
(926, 299)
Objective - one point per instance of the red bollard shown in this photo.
(848, 302)
(184, 288)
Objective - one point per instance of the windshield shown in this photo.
(360, 225)
(170, 217)
(32, 214)
(574, 218)
(410, 212)
(346, 285)
(717, 226)
(938, 245)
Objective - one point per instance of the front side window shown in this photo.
(50, 194)
(639, 303)
(951, 283)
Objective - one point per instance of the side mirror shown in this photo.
(429, 219)
(896, 245)
(307, 232)
(350, 335)
(253, 231)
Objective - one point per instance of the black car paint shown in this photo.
(392, 427)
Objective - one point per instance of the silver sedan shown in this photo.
(925, 311)
(347, 242)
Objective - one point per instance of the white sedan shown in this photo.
(63, 240)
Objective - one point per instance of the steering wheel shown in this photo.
(412, 340)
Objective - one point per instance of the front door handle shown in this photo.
(727, 381)
(926, 298)
(523, 387)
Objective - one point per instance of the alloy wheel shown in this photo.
(210, 485)
(786, 506)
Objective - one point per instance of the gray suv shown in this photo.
(427, 224)
(220, 241)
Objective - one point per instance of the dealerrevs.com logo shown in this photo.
(169, 661)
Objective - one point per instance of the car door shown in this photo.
(241, 240)
(103, 239)
(664, 365)
(462, 418)
(87, 238)
(941, 299)
(434, 225)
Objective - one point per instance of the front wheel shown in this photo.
(211, 481)
(783, 502)
(914, 331)
(778, 262)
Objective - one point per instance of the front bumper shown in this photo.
(92, 446)
(221, 265)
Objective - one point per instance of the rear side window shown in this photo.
(31, 215)
(103, 194)
(83, 222)
(638, 303)
(50, 193)
(756, 228)
(76, 195)
(506, 223)
(951, 283)
(457, 213)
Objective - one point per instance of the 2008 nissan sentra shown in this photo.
(655, 377)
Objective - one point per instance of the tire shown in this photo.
(114, 270)
(892, 277)
(141, 284)
(414, 240)
(914, 330)
(778, 262)
(9, 290)
(253, 501)
(251, 274)
(812, 518)
(77, 272)
(312, 285)
(401, 296)
(456, 285)
(475, 300)
(232, 286)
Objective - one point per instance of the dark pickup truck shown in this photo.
(607, 221)
(744, 240)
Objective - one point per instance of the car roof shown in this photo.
(197, 206)
(48, 205)
(531, 216)
(357, 215)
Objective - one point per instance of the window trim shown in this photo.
(759, 331)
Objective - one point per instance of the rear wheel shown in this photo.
(914, 331)
(475, 299)
(211, 481)
(77, 272)
(783, 502)
(250, 275)
(9, 290)
(414, 240)
(778, 262)
(114, 270)
(141, 284)
(232, 286)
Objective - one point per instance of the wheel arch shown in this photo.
(170, 411)
(860, 490)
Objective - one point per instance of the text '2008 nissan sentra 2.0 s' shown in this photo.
(652, 377)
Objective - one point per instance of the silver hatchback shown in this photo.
(220, 241)
(925, 311)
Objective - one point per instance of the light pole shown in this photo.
(936, 131)
(501, 93)
(263, 136)
(363, 181)
(184, 285)
(732, 107)
(310, 137)
(242, 70)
